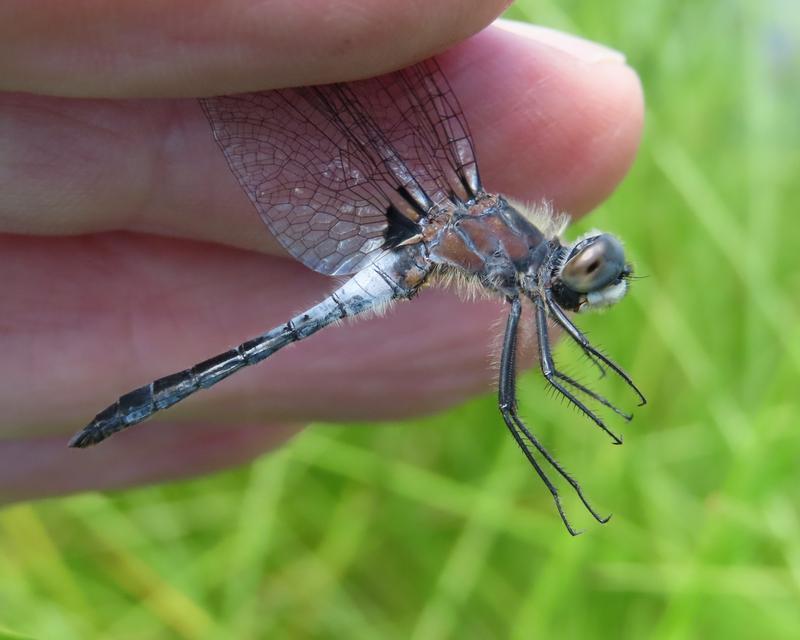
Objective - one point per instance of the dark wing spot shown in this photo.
(399, 229)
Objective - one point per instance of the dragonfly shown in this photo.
(378, 180)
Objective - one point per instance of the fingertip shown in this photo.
(557, 123)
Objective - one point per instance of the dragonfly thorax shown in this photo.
(490, 241)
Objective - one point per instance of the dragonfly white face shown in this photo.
(593, 273)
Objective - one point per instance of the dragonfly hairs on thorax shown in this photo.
(377, 179)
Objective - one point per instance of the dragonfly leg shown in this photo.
(583, 342)
(520, 432)
(552, 375)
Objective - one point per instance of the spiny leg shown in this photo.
(550, 486)
(546, 454)
(592, 394)
(583, 342)
(596, 363)
(559, 469)
(507, 381)
(549, 371)
(508, 409)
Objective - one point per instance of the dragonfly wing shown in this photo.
(336, 170)
(421, 116)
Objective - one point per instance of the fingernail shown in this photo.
(584, 50)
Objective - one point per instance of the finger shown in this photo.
(45, 467)
(548, 122)
(131, 48)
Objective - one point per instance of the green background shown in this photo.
(437, 528)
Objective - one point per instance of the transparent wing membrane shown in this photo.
(323, 165)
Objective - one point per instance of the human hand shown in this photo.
(129, 251)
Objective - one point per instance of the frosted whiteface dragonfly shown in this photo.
(377, 180)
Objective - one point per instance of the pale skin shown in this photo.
(128, 251)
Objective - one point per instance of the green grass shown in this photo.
(436, 528)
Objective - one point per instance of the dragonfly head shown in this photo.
(591, 274)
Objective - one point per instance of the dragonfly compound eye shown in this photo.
(594, 264)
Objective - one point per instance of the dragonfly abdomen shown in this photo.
(139, 404)
(373, 286)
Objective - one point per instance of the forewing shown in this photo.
(421, 116)
(325, 165)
